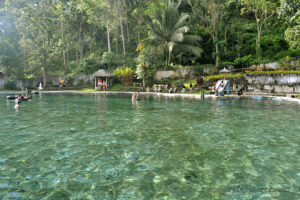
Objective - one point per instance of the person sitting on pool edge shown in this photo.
(242, 90)
(172, 89)
(183, 89)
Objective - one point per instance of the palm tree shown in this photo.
(168, 31)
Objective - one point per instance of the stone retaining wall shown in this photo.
(276, 83)
(52, 81)
(180, 73)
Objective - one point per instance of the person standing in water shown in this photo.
(134, 96)
(18, 105)
(202, 94)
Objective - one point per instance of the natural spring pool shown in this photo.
(60, 147)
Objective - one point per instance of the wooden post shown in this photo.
(95, 83)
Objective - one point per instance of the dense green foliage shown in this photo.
(125, 74)
(39, 38)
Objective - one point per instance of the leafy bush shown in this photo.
(221, 76)
(10, 85)
(73, 65)
(148, 61)
(214, 70)
(70, 79)
(112, 60)
(272, 44)
(125, 74)
(81, 82)
(244, 62)
(199, 69)
(294, 53)
(91, 64)
(291, 53)
(227, 63)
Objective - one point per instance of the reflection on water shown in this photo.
(108, 147)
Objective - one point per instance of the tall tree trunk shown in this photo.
(117, 36)
(67, 56)
(44, 76)
(108, 31)
(63, 44)
(108, 39)
(167, 59)
(91, 42)
(80, 42)
(127, 28)
(239, 42)
(76, 54)
(44, 69)
(122, 32)
(217, 55)
(225, 39)
(238, 45)
(258, 47)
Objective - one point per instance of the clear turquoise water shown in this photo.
(106, 147)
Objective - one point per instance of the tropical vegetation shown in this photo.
(40, 38)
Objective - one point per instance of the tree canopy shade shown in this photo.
(169, 30)
(210, 14)
(292, 34)
(39, 38)
(262, 10)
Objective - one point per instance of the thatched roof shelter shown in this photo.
(224, 70)
(102, 73)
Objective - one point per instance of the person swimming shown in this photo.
(18, 105)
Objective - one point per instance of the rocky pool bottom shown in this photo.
(108, 147)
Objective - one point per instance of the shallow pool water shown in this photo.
(60, 147)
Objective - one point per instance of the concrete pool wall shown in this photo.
(192, 96)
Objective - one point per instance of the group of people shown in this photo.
(102, 85)
(19, 99)
(173, 89)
